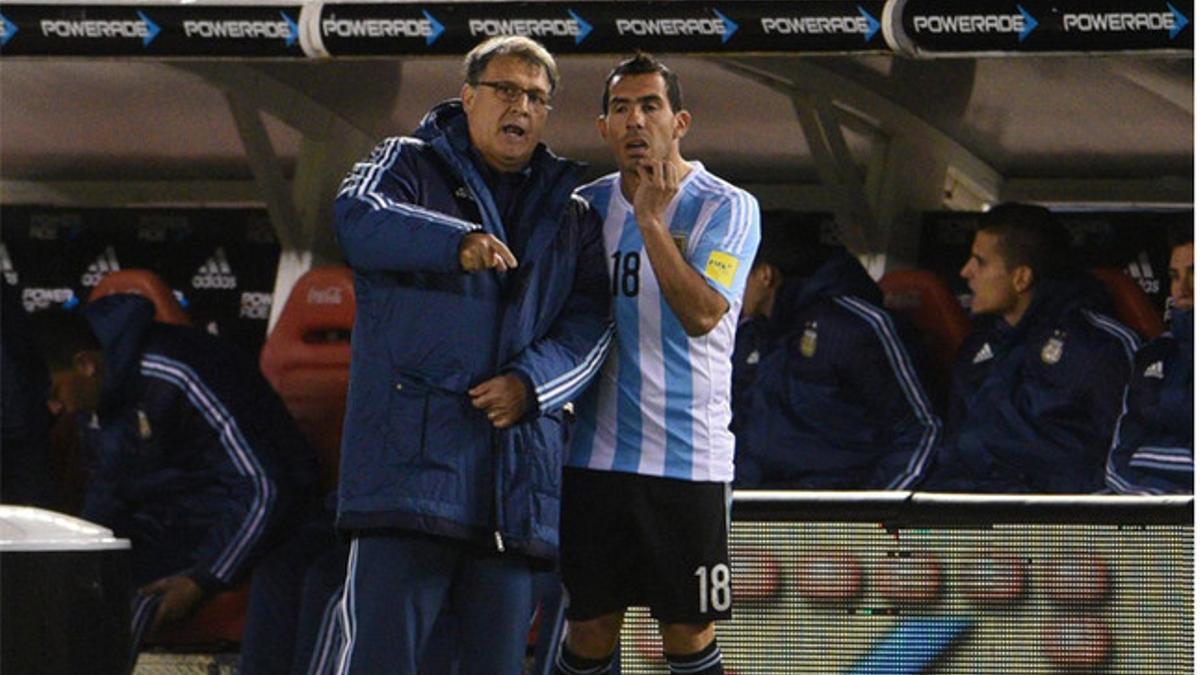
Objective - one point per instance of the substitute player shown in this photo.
(646, 492)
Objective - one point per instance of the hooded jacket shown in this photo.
(836, 401)
(416, 455)
(194, 455)
(1152, 451)
(1032, 406)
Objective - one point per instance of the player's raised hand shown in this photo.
(481, 251)
(658, 181)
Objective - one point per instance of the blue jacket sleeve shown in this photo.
(886, 377)
(1152, 456)
(561, 364)
(248, 494)
(380, 220)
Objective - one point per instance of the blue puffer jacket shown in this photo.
(1032, 406)
(1153, 452)
(836, 401)
(195, 456)
(415, 454)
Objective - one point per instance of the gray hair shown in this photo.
(532, 51)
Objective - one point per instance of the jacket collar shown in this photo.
(550, 183)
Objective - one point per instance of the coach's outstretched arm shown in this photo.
(380, 228)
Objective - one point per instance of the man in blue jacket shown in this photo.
(1037, 385)
(1153, 452)
(192, 455)
(483, 309)
(829, 395)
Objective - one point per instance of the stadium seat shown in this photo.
(925, 300)
(307, 360)
(145, 283)
(1130, 303)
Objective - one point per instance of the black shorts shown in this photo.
(632, 540)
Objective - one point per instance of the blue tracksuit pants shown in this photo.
(397, 585)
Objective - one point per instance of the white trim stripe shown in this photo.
(906, 376)
(542, 388)
(327, 644)
(1114, 479)
(1129, 340)
(583, 373)
(346, 606)
(241, 455)
(363, 183)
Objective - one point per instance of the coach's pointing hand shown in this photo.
(480, 251)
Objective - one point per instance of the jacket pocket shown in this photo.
(431, 419)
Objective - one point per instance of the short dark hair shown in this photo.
(642, 63)
(1030, 235)
(532, 51)
(64, 333)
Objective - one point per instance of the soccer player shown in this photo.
(646, 495)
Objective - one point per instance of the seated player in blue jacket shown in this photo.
(1153, 451)
(827, 392)
(192, 456)
(1037, 385)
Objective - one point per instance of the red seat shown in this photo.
(922, 297)
(1130, 303)
(221, 619)
(307, 360)
(148, 284)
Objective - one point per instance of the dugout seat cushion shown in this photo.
(1131, 306)
(306, 359)
(926, 301)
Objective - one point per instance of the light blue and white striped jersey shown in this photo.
(661, 405)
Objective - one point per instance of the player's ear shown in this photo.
(683, 122)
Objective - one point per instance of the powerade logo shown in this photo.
(101, 29)
(1172, 20)
(49, 226)
(1022, 23)
(863, 24)
(571, 26)
(720, 25)
(284, 29)
(428, 28)
(325, 296)
(42, 298)
(255, 305)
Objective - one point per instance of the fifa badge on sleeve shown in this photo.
(1052, 351)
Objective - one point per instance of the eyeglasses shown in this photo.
(511, 93)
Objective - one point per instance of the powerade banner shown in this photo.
(932, 27)
(149, 30)
(604, 27)
(220, 263)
